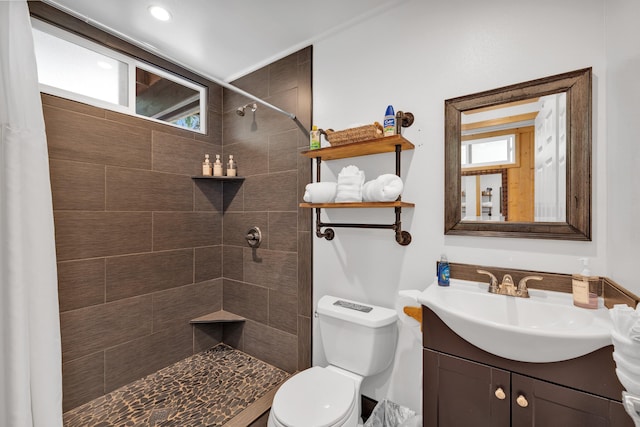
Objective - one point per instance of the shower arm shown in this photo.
(156, 52)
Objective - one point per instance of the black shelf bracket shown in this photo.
(402, 237)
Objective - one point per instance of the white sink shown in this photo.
(546, 327)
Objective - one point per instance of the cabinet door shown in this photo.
(542, 404)
(460, 393)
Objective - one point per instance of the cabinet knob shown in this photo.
(522, 401)
(500, 393)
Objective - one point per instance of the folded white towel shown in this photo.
(350, 181)
(487, 204)
(634, 331)
(385, 188)
(623, 318)
(320, 192)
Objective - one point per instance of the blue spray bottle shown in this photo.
(389, 121)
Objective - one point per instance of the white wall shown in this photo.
(623, 110)
(415, 56)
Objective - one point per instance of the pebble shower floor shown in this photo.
(206, 389)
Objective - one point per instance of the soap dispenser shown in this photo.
(585, 287)
(232, 167)
(206, 166)
(217, 166)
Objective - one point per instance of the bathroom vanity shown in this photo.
(464, 385)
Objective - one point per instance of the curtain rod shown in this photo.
(155, 51)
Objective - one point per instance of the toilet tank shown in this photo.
(356, 336)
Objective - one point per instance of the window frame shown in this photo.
(132, 65)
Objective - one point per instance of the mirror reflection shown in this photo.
(534, 135)
(525, 140)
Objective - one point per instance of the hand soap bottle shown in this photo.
(232, 167)
(443, 271)
(585, 287)
(206, 166)
(217, 166)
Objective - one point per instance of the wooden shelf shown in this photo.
(359, 205)
(220, 316)
(385, 144)
(219, 178)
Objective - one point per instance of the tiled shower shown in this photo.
(143, 248)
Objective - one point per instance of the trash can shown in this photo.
(389, 414)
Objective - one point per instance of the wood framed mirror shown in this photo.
(537, 132)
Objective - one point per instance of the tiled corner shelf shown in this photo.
(219, 178)
(220, 316)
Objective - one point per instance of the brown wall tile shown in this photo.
(283, 311)
(96, 234)
(283, 234)
(283, 153)
(81, 283)
(305, 273)
(180, 155)
(207, 335)
(251, 153)
(138, 190)
(304, 342)
(232, 262)
(87, 330)
(208, 263)
(179, 305)
(246, 300)
(122, 362)
(82, 380)
(272, 192)
(256, 83)
(233, 196)
(273, 269)
(283, 74)
(271, 345)
(173, 230)
(67, 104)
(236, 224)
(73, 136)
(207, 195)
(76, 185)
(133, 275)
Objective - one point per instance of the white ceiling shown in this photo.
(224, 39)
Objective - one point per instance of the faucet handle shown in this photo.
(493, 284)
(523, 290)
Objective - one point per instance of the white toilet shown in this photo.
(359, 340)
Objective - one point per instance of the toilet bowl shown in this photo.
(321, 397)
(359, 340)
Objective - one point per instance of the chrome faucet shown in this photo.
(507, 287)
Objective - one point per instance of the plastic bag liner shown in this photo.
(389, 414)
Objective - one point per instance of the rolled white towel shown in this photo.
(320, 192)
(385, 188)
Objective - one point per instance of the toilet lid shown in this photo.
(315, 395)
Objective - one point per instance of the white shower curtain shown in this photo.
(30, 354)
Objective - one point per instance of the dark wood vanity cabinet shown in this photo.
(464, 386)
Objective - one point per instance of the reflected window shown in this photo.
(75, 68)
(497, 150)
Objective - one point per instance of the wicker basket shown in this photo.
(357, 134)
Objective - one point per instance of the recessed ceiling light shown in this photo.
(160, 13)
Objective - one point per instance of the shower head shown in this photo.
(252, 105)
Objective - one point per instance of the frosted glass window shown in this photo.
(499, 150)
(74, 68)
